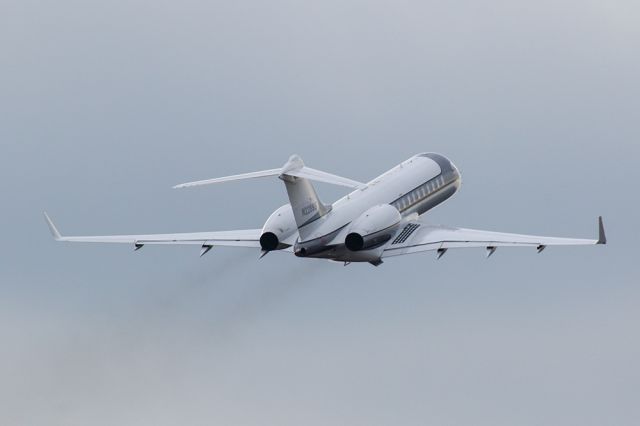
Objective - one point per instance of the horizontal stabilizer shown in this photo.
(293, 167)
(252, 175)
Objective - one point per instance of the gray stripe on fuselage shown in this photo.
(435, 199)
(448, 181)
(315, 245)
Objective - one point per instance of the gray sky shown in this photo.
(104, 106)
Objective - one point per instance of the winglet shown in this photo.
(602, 237)
(52, 227)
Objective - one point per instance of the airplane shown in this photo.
(377, 220)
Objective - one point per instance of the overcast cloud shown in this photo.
(105, 105)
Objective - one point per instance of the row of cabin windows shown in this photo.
(420, 193)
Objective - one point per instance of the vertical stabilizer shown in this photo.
(304, 200)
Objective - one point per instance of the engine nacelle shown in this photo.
(373, 227)
(280, 226)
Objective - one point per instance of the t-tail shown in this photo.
(304, 200)
(297, 178)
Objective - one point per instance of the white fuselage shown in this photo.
(412, 187)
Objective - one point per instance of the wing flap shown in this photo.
(243, 238)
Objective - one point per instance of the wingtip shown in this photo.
(52, 228)
(181, 186)
(602, 237)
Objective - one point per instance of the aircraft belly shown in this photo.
(342, 254)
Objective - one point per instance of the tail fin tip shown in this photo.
(294, 163)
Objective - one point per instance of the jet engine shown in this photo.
(373, 227)
(280, 226)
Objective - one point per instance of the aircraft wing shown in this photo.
(239, 238)
(418, 237)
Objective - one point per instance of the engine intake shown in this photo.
(354, 241)
(269, 241)
(280, 225)
(373, 228)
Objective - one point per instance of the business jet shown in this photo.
(377, 220)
